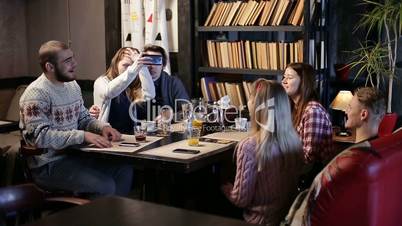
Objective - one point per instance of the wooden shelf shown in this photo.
(240, 71)
(285, 28)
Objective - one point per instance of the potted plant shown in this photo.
(377, 59)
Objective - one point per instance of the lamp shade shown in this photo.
(341, 100)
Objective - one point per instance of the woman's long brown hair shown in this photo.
(134, 91)
(306, 90)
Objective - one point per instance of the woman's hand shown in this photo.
(94, 111)
(139, 62)
(227, 188)
(137, 58)
(131, 54)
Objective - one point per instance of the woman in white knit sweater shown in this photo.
(126, 80)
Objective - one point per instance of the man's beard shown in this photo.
(60, 76)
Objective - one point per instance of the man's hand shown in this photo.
(97, 140)
(94, 111)
(111, 134)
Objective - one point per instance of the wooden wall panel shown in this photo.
(87, 33)
(46, 20)
(13, 52)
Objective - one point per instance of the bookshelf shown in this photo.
(231, 46)
(238, 71)
(286, 28)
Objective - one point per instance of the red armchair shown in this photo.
(362, 186)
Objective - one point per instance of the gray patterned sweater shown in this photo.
(54, 117)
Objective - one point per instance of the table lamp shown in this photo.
(340, 103)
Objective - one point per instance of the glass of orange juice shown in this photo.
(193, 136)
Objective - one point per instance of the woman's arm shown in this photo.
(147, 84)
(246, 172)
(316, 134)
(111, 89)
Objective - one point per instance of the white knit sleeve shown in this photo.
(147, 84)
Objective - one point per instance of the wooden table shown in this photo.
(124, 212)
(173, 180)
(141, 161)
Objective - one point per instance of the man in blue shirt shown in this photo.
(168, 89)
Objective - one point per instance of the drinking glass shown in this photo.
(140, 133)
(187, 111)
(193, 136)
(165, 121)
(150, 125)
(241, 124)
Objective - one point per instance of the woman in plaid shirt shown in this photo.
(309, 117)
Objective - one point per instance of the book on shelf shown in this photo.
(253, 54)
(204, 83)
(292, 12)
(232, 13)
(272, 13)
(213, 91)
(217, 14)
(225, 14)
(210, 52)
(224, 54)
(238, 14)
(252, 12)
(238, 92)
(241, 96)
(269, 5)
(221, 89)
(277, 12)
(211, 14)
(282, 18)
(257, 13)
(249, 62)
(287, 12)
(281, 55)
(246, 13)
(298, 15)
(253, 6)
(231, 92)
(243, 57)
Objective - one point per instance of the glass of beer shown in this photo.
(193, 136)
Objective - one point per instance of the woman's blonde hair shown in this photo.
(281, 148)
(134, 91)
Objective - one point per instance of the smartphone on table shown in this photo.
(186, 151)
(129, 144)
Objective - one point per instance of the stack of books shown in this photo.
(253, 55)
(256, 13)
